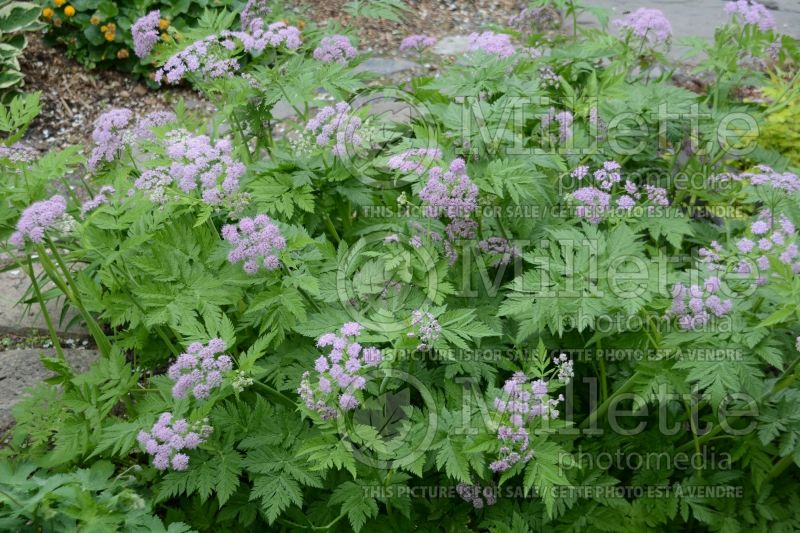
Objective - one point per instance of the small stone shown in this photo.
(452, 45)
(385, 66)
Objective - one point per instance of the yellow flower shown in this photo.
(47, 12)
(163, 24)
(59, 3)
(165, 37)
(95, 20)
(123, 53)
(301, 24)
(69, 11)
(109, 35)
(112, 26)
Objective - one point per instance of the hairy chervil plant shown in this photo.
(549, 283)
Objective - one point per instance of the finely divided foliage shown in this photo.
(559, 294)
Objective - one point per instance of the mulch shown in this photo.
(72, 97)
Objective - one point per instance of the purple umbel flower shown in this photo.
(99, 199)
(522, 401)
(451, 193)
(254, 9)
(340, 373)
(199, 370)
(415, 160)
(257, 241)
(108, 135)
(38, 218)
(498, 44)
(210, 57)
(610, 192)
(477, 495)
(144, 126)
(335, 49)
(648, 24)
(426, 328)
(168, 438)
(335, 122)
(417, 42)
(499, 248)
(197, 162)
(594, 204)
(145, 33)
(696, 306)
(751, 12)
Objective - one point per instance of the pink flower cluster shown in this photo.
(647, 24)
(609, 193)
(257, 241)
(765, 175)
(209, 57)
(145, 33)
(523, 400)
(415, 160)
(564, 120)
(335, 49)
(751, 12)
(257, 38)
(38, 218)
(101, 198)
(498, 44)
(564, 368)
(450, 192)
(477, 495)
(167, 439)
(426, 328)
(548, 76)
(540, 18)
(197, 58)
(154, 183)
(199, 370)
(108, 135)
(499, 248)
(144, 127)
(340, 373)
(695, 306)
(254, 9)
(336, 122)
(769, 236)
(197, 162)
(417, 42)
(17, 152)
(114, 129)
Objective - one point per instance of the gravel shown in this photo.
(429, 17)
(73, 97)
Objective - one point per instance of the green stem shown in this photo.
(693, 425)
(275, 393)
(10, 497)
(50, 328)
(240, 129)
(331, 228)
(99, 337)
(780, 466)
(603, 407)
(603, 380)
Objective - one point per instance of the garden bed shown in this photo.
(529, 273)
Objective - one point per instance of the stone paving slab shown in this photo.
(22, 318)
(699, 18)
(385, 66)
(689, 18)
(20, 369)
